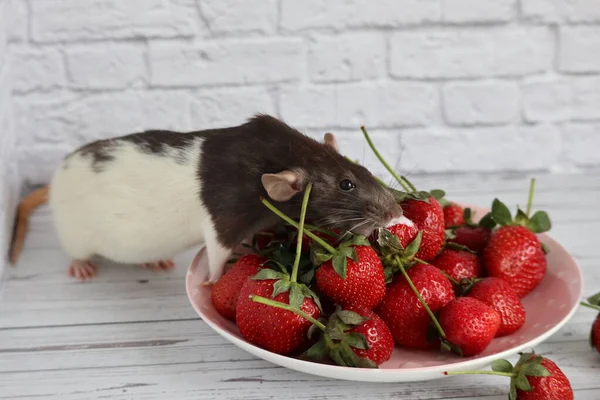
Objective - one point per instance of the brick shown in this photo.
(37, 69)
(7, 135)
(480, 103)
(3, 34)
(299, 15)
(72, 20)
(582, 142)
(586, 98)
(106, 66)
(394, 104)
(73, 119)
(466, 11)
(509, 148)
(579, 48)
(561, 10)
(226, 62)
(235, 16)
(214, 108)
(16, 23)
(350, 57)
(47, 159)
(471, 52)
(546, 101)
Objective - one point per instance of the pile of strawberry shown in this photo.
(435, 279)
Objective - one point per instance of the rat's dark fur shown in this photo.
(233, 161)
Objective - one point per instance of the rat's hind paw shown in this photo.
(82, 270)
(162, 265)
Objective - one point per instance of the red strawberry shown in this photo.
(453, 215)
(553, 387)
(515, 254)
(532, 378)
(402, 311)
(469, 324)
(499, 295)
(279, 331)
(406, 231)
(226, 290)
(364, 283)
(458, 264)
(595, 336)
(429, 218)
(377, 333)
(473, 237)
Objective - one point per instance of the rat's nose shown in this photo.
(395, 212)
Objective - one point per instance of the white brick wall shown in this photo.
(451, 85)
(9, 179)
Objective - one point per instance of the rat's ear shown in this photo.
(331, 141)
(283, 185)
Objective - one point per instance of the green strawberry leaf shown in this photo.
(296, 296)
(594, 300)
(513, 390)
(359, 240)
(314, 330)
(413, 247)
(522, 383)
(521, 218)
(337, 358)
(350, 317)
(306, 292)
(460, 247)
(468, 215)
(539, 222)
(357, 340)
(319, 256)
(487, 221)
(535, 369)
(501, 213)
(545, 248)
(449, 233)
(446, 346)
(267, 273)
(437, 194)
(340, 265)
(502, 365)
(281, 286)
(317, 352)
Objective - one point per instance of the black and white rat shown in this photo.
(144, 197)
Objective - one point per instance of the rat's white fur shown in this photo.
(140, 208)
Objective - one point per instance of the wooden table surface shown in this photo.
(131, 333)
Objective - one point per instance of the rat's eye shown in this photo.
(347, 185)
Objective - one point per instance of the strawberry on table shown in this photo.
(533, 378)
(514, 252)
(472, 235)
(226, 290)
(499, 295)
(593, 302)
(453, 214)
(458, 264)
(470, 325)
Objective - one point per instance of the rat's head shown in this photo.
(345, 195)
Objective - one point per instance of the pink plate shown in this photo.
(548, 307)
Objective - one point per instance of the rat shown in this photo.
(144, 197)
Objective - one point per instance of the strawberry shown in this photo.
(499, 295)
(267, 327)
(278, 331)
(471, 235)
(226, 290)
(428, 216)
(402, 310)
(379, 338)
(514, 252)
(593, 302)
(405, 230)
(453, 215)
(458, 264)
(358, 281)
(532, 378)
(469, 324)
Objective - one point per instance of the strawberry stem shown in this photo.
(480, 372)
(588, 305)
(293, 223)
(296, 265)
(451, 279)
(414, 289)
(322, 230)
(385, 164)
(283, 306)
(530, 199)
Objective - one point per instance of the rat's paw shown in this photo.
(82, 270)
(162, 265)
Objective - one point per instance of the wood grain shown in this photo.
(131, 333)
